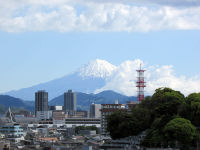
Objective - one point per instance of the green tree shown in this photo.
(193, 97)
(191, 109)
(167, 101)
(120, 124)
(143, 118)
(154, 137)
(160, 115)
(163, 106)
(179, 130)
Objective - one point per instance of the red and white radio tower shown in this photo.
(140, 84)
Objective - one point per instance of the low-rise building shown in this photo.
(70, 122)
(42, 130)
(107, 109)
(4, 145)
(12, 132)
(131, 105)
(87, 132)
(59, 117)
(55, 108)
(44, 114)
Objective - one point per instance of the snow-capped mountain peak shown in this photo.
(99, 75)
(97, 68)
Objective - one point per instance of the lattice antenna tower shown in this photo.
(140, 84)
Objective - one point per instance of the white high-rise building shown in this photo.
(95, 110)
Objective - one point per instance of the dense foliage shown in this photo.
(181, 130)
(169, 119)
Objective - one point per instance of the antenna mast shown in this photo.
(140, 84)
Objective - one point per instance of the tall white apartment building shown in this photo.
(95, 110)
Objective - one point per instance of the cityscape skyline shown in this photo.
(85, 61)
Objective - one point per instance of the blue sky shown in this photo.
(41, 41)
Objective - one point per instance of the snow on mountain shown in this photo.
(123, 80)
(86, 79)
(100, 75)
(97, 68)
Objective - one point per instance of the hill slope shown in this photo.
(84, 100)
(16, 103)
(86, 79)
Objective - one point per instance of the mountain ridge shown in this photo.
(84, 100)
(9, 101)
(78, 81)
(93, 77)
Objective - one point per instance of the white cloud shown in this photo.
(124, 79)
(67, 15)
(174, 3)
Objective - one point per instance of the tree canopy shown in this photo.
(165, 112)
(179, 130)
(191, 110)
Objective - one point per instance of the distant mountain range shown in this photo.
(86, 79)
(100, 75)
(83, 100)
(15, 103)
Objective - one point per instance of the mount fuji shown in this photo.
(99, 75)
(87, 79)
